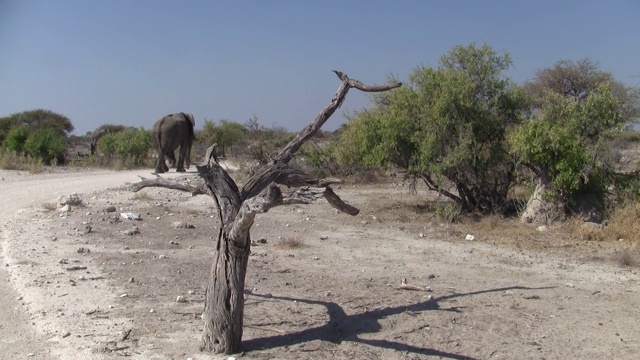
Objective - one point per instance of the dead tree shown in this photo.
(237, 208)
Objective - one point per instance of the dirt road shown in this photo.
(320, 284)
(20, 190)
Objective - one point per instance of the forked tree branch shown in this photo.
(264, 177)
(238, 207)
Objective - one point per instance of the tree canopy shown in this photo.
(446, 126)
(36, 120)
(575, 107)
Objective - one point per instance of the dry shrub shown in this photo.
(290, 242)
(627, 257)
(588, 233)
(49, 206)
(448, 212)
(11, 160)
(491, 223)
(624, 223)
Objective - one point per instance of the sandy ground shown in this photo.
(105, 294)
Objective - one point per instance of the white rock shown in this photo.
(72, 199)
(542, 228)
(470, 237)
(130, 216)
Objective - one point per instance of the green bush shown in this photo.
(47, 145)
(128, 148)
(16, 139)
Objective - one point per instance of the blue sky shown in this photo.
(131, 61)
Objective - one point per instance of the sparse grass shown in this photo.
(447, 212)
(624, 224)
(490, 223)
(10, 160)
(49, 206)
(588, 233)
(627, 257)
(290, 242)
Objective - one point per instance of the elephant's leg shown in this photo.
(161, 167)
(172, 158)
(181, 157)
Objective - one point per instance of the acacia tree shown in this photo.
(237, 208)
(447, 127)
(575, 108)
(225, 134)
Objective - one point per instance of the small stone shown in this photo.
(182, 225)
(132, 231)
(262, 241)
(327, 293)
(110, 209)
(65, 208)
(87, 229)
(124, 295)
(470, 237)
(181, 299)
(324, 237)
(72, 199)
(152, 311)
(163, 257)
(130, 216)
(542, 228)
(66, 334)
(131, 280)
(315, 258)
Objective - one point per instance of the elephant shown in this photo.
(94, 139)
(169, 133)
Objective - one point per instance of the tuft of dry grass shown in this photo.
(49, 206)
(579, 230)
(290, 242)
(626, 257)
(10, 160)
(142, 195)
(624, 224)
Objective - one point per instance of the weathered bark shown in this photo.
(542, 208)
(224, 302)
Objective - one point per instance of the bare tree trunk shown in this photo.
(542, 208)
(224, 303)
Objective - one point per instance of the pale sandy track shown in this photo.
(19, 337)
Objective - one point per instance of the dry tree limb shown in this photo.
(162, 182)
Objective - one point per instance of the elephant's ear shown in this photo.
(192, 119)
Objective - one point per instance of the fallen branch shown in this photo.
(72, 268)
(162, 182)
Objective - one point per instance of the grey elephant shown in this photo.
(94, 139)
(170, 133)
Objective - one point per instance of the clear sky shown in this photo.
(132, 61)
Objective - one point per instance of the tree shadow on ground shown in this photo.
(342, 327)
